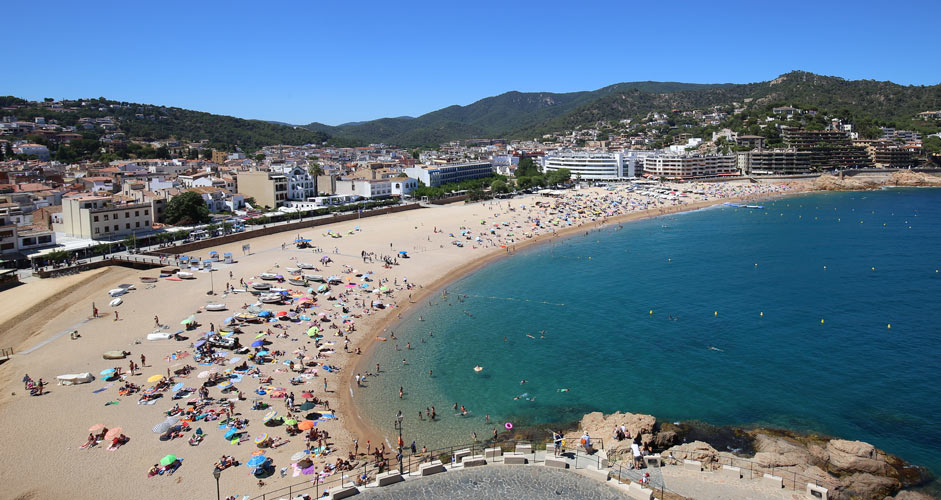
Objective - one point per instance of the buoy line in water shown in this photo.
(514, 299)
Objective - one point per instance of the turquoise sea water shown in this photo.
(858, 261)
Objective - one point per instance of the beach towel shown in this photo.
(103, 389)
(109, 403)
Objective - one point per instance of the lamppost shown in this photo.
(398, 426)
(216, 473)
(211, 286)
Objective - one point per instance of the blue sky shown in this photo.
(343, 61)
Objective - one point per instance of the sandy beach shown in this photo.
(43, 434)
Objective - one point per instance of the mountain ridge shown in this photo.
(518, 115)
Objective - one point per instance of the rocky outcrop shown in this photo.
(697, 450)
(600, 426)
(828, 182)
(850, 470)
(864, 485)
(856, 456)
(780, 452)
(910, 495)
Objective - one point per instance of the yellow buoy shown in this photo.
(762, 314)
(651, 312)
(717, 313)
(890, 326)
(821, 321)
(873, 269)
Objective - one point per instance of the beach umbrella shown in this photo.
(256, 461)
(309, 470)
(260, 335)
(155, 378)
(234, 360)
(261, 438)
(204, 374)
(199, 343)
(230, 433)
(263, 352)
(167, 460)
(281, 314)
(177, 387)
(109, 371)
(269, 416)
(306, 425)
(291, 421)
(224, 383)
(96, 427)
(161, 427)
(228, 321)
(113, 433)
(299, 455)
(258, 343)
(189, 320)
(383, 288)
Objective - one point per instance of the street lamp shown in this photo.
(216, 473)
(211, 286)
(398, 426)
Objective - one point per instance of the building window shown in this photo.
(106, 216)
(116, 227)
(127, 215)
(127, 225)
(97, 230)
(137, 213)
(96, 218)
(146, 212)
(137, 224)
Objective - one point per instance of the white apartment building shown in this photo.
(376, 188)
(685, 167)
(434, 176)
(95, 217)
(588, 166)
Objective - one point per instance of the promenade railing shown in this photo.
(411, 462)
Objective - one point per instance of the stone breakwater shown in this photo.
(848, 469)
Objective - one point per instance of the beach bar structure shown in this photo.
(227, 258)
(213, 256)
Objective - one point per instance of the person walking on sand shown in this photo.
(143, 360)
(156, 320)
(115, 315)
(401, 392)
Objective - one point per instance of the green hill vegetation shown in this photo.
(521, 115)
(153, 123)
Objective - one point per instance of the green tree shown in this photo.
(260, 157)
(315, 169)
(932, 145)
(560, 176)
(499, 187)
(58, 255)
(186, 209)
(207, 154)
